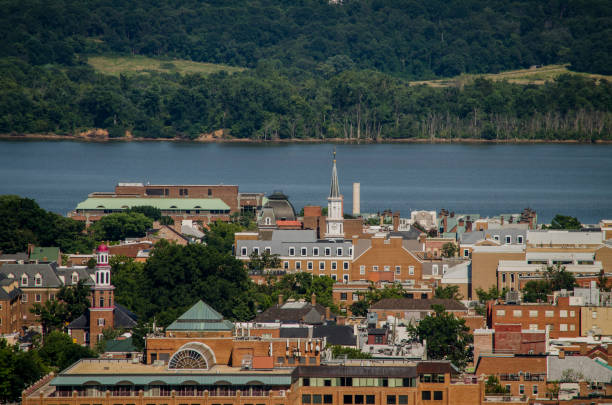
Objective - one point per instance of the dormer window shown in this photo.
(291, 251)
(315, 251)
(268, 221)
(243, 251)
(38, 280)
(519, 239)
(24, 280)
(75, 277)
(327, 251)
(508, 239)
(339, 252)
(11, 275)
(496, 237)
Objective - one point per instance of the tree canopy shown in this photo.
(22, 221)
(447, 337)
(121, 225)
(565, 222)
(555, 278)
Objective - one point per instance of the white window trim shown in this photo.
(243, 251)
(291, 251)
(411, 270)
(327, 251)
(315, 251)
(339, 251)
(362, 269)
(304, 251)
(334, 266)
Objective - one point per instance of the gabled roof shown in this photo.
(5, 283)
(200, 317)
(123, 319)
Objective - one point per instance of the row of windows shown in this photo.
(398, 269)
(38, 279)
(355, 399)
(534, 389)
(358, 382)
(310, 265)
(518, 313)
(292, 251)
(37, 298)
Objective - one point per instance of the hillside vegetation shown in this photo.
(367, 70)
(533, 75)
(116, 65)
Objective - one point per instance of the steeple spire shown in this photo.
(334, 191)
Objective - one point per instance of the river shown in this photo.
(466, 178)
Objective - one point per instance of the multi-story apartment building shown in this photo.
(561, 318)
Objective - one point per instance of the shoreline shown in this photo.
(202, 140)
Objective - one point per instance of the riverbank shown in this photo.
(102, 136)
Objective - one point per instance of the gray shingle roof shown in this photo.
(83, 273)
(7, 296)
(469, 238)
(418, 305)
(336, 334)
(47, 272)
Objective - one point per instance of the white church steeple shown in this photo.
(335, 216)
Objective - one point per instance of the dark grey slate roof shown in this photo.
(47, 271)
(124, 319)
(418, 305)
(412, 233)
(336, 334)
(83, 273)
(293, 332)
(82, 322)
(7, 296)
(14, 256)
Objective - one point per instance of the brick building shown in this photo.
(10, 306)
(560, 318)
(387, 258)
(519, 374)
(103, 313)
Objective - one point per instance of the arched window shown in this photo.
(193, 355)
(268, 221)
(38, 280)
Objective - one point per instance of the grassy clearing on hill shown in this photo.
(539, 75)
(115, 65)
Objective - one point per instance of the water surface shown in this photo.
(487, 179)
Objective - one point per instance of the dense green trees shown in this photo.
(373, 295)
(121, 225)
(315, 70)
(565, 222)
(405, 37)
(22, 221)
(272, 104)
(18, 369)
(555, 278)
(447, 337)
(72, 301)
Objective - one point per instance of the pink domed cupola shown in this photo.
(102, 255)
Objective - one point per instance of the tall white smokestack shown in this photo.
(356, 199)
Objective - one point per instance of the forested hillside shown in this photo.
(313, 70)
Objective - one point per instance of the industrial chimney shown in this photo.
(356, 199)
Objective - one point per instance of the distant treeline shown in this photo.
(271, 102)
(409, 38)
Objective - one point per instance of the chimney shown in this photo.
(356, 199)
(583, 348)
(501, 219)
(280, 299)
(327, 313)
(313, 299)
(561, 354)
(396, 221)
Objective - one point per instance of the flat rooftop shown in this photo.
(126, 367)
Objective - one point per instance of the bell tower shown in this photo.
(102, 297)
(335, 215)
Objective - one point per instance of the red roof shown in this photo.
(102, 248)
